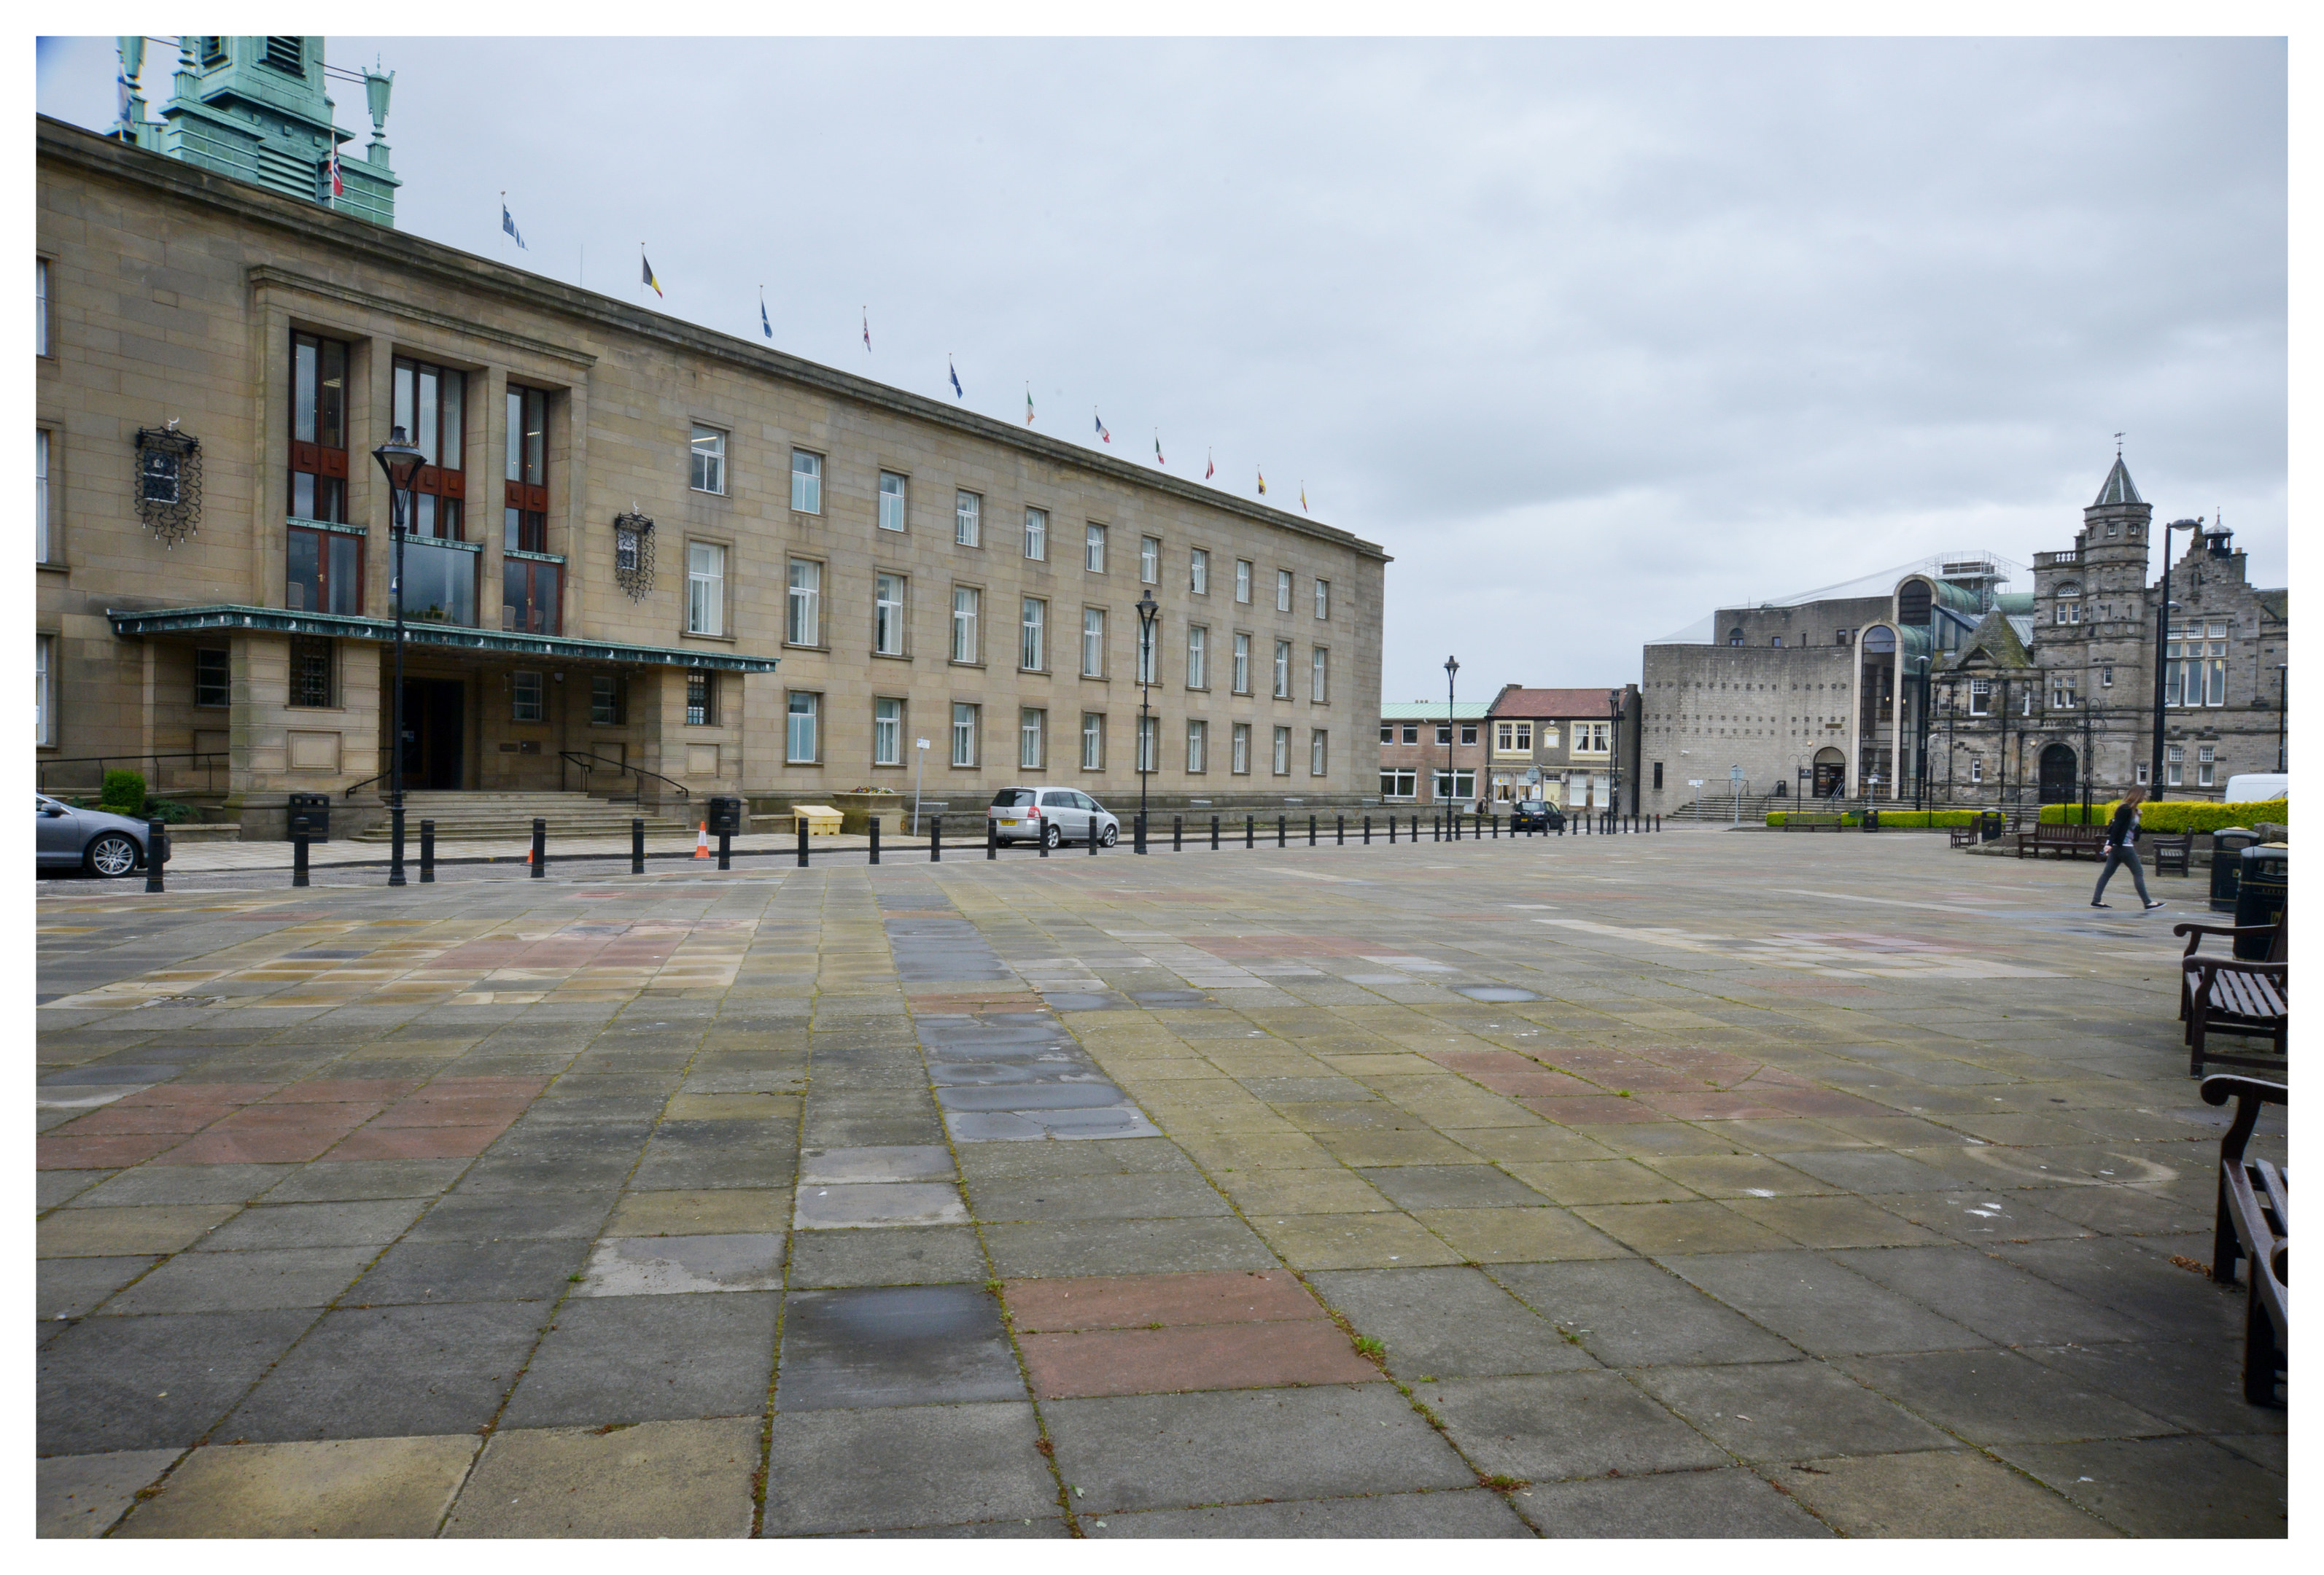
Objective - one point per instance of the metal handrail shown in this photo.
(589, 762)
(212, 756)
(366, 782)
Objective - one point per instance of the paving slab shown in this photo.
(336, 1488)
(1994, 1398)
(392, 1372)
(74, 1288)
(652, 1479)
(962, 1465)
(898, 1345)
(1108, 1246)
(470, 1271)
(1462, 1514)
(1819, 1305)
(849, 1206)
(1632, 1313)
(1731, 1503)
(1552, 1426)
(1448, 1323)
(2161, 1487)
(1788, 1411)
(620, 1359)
(81, 1496)
(155, 1382)
(232, 1281)
(886, 1255)
(1942, 1493)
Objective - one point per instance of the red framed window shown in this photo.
(525, 512)
(529, 596)
(430, 407)
(322, 571)
(318, 428)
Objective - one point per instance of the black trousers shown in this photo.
(2116, 860)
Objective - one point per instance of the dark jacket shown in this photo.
(2119, 832)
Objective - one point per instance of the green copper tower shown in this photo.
(257, 109)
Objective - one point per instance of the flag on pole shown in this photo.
(1102, 435)
(508, 223)
(1209, 466)
(867, 330)
(1028, 405)
(338, 186)
(1262, 482)
(765, 327)
(953, 373)
(647, 269)
(1302, 498)
(1157, 450)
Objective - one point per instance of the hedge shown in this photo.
(2174, 816)
(1890, 819)
(124, 793)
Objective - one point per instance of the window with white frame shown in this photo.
(2174, 765)
(888, 615)
(1032, 651)
(1094, 547)
(2105, 676)
(2142, 778)
(1198, 571)
(1242, 664)
(967, 519)
(891, 500)
(1283, 669)
(1319, 752)
(1283, 590)
(44, 709)
(1460, 784)
(1591, 738)
(2206, 758)
(800, 742)
(1092, 642)
(1282, 760)
(1387, 733)
(1036, 535)
(524, 698)
(1980, 696)
(1977, 769)
(887, 732)
(803, 624)
(40, 494)
(1242, 580)
(806, 482)
(1319, 682)
(1513, 738)
(707, 461)
(1093, 741)
(1467, 733)
(1198, 746)
(2062, 691)
(1412, 733)
(1150, 560)
(39, 306)
(1032, 739)
(1198, 661)
(1148, 752)
(967, 604)
(705, 588)
(1443, 733)
(1238, 749)
(2195, 665)
(1399, 784)
(963, 734)
(1324, 599)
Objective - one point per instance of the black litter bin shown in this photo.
(309, 813)
(2261, 897)
(1871, 820)
(725, 817)
(1988, 826)
(2227, 847)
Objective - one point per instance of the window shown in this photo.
(967, 603)
(39, 306)
(287, 53)
(524, 698)
(1400, 785)
(1150, 560)
(1324, 599)
(1460, 784)
(1841, 637)
(888, 615)
(806, 482)
(802, 619)
(707, 472)
(1980, 696)
(2105, 676)
(1318, 752)
(1198, 665)
(2142, 773)
(319, 431)
(1283, 590)
(891, 500)
(1658, 775)
(1032, 728)
(1242, 580)
(2062, 691)
(1319, 685)
(1468, 730)
(2206, 763)
(313, 682)
(967, 519)
(705, 588)
(530, 595)
(1033, 654)
(429, 405)
(1513, 738)
(1412, 733)
(1282, 760)
(799, 741)
(1283, 669)
(44, 717)
(887, 732)
(1093, 741)
(1036, 535)
(40, 494)
(1777, 642)
(701, 698)
(1198, 571)
(2174, 765)
(1092, 642)
(1149, 728)
(322, 571)
(524, 496)
(1735, 637)
(1238, 749)
(1387, 733)
(1591, 738)
(1443, 733)
(1093, 550)
(1198, 745)
(2195, 665)
(609, 700)
(1242, 664)
(213, 678)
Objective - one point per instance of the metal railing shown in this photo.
(589, 763)
(210, 762)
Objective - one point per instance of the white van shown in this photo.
(2258, 786)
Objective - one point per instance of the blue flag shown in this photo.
(766, 327)
(508, 223)
(955, 379)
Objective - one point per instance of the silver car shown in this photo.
(1048, 813)
(95, 840)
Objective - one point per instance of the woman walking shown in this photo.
(2122, 848)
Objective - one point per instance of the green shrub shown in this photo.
(1925, 819)
(1776, 818)
(124, 793)
(2174, 816)
(168, 811)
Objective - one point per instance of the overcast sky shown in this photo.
(1592, 335)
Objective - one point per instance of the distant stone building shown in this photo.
(1941, 685)
(1427, 756)
(1576, 748)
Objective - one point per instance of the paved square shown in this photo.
(1692, 1184)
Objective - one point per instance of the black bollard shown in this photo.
(802, 841)
(637, 847)
(1092, 836)
(873, 822)
(935, 839)
(1311, 830)
(427, 852)
(1138, 837)
(1177, 830)
(1214, 833)
(540, 847)
(726, 849)
(1249, 831)
(1391, 831)
(1340, 830)
(1042, 840)
(157, 853)
(395, 843)
(1367, 830)
(299, 859)
(991, 840)
(1278, 830)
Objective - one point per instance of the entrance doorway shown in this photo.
(1830, 773)
(435, 725)
(2058, 783)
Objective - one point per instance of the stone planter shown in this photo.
(856, 810)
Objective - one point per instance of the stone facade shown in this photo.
(173, 297)
(1584, 742)
(1414, 748)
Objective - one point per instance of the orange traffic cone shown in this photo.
(702, 840)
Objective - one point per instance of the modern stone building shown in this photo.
(1935, 681)
(714, 564)
(1576, 748)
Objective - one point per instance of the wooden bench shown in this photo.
(1813, 821)
(1963, 836)
(2069, 841)
(2196, 935)
(2224, 996)
(2254, 1224)
(2174, 855)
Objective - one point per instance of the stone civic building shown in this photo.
(708, 562)
(1941, 683)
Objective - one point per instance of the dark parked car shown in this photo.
(95, 840)
(1535, 815)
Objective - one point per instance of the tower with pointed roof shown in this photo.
(258, 109)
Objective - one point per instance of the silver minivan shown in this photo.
(1045, 813)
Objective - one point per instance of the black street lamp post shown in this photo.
(2163, 609)
(1921, 737)
(1452, 668)
(1614, 758)
(399, 461)
(2283, 698)
(1147, 610)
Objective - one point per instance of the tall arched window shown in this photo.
(1735, 637)
(1879, 640)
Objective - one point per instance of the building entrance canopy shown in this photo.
(456, 636)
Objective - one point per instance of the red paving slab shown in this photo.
(418, 1142)
(525, 1088)
(200, 1093)
(271, 1118)
(486, 1111)
(1592, 1111)
(1713, 1106)
(295, 1146)
(1134, 1301)
(101, 1153)
(1536, 1084)
(114, 1121)
(375, 1091)
(1223, 1356)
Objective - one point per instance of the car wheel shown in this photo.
(1050, 835)
(1108, 837)
(112, 854)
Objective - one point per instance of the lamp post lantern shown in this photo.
(399, 460)
(2163, 609)
(1147, 608)
(1452, 670)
